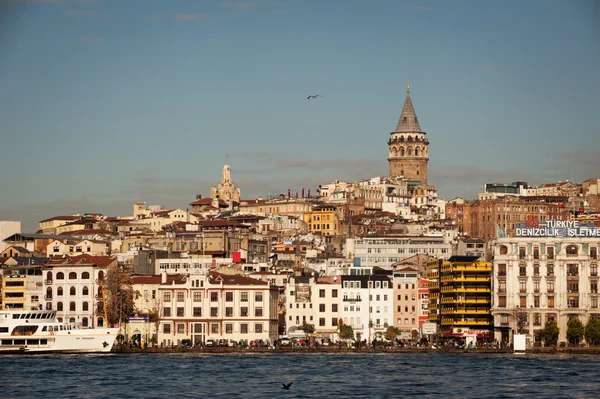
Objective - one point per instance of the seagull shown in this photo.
(313, 97)
(286, 386)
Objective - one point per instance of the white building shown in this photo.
(385, 251)
(218, 307)
(367, 304)
(7, 229)
(313, 301)
(544, 278)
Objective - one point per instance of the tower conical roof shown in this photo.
(408, 122)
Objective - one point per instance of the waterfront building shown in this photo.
(408, 145)
(224, 308)
(367, 304)
(21, 285)
(493, 191)
(537, 279)
(463, 296)
(72, 286)
(406, 301)
(314, 301)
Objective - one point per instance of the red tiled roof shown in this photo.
(102, 261)
(234, 279)
(85, 232)
(157, 279)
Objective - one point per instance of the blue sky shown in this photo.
(105, 103)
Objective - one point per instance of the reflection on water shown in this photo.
(425, 375)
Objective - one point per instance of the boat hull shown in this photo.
(97, 340)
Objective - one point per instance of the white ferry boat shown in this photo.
(36, 331)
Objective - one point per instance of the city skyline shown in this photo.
(106, 104)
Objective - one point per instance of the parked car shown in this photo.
(285, 342)
(210, 342)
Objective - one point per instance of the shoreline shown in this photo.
(330, 350)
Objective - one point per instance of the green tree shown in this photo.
(346, 331)
(575, 330)
(549, 333)
(391, 333)
(308, 328)
(592, 331)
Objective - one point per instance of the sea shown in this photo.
(253, 375)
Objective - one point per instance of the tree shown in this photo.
(592, 331)
(346, 331)
(549, 333)
(308, 329)
(391, 333)
(521, 317)
(575, 330)
(119, 294)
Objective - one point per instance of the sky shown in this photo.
(105, 103)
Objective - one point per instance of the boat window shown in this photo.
(7, 342)
(44, 341)
(3, 329)
(15, 315)
(29, 329)
(44, 328)
(33, 342)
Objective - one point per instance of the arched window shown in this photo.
(60, 319)
(85, 276)
(410, 139)
(100, 322)
(72, 291)
(417, 151)
(358, 321)
(402, 151)
(60, 276)
(48, 305)
(402, 139)
(394, 151)
(72, 276)
(401, 172)
(72, 306)
(49, 293)
(49, 277)
(503, 249)
(352, 321)
(409, 151)
(85, 306)
(84, 322)
(100, 275)
(572, 250)
(59, 291)
(99, 293)
(72, 320)
(59, 306)
(85, 291)
(345, 321)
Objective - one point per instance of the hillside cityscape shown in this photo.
(384, 259)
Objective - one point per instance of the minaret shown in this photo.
(408, 146)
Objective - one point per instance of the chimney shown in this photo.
(198, 196)
(163, 277)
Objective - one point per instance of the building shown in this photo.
(7, 229)
(541, 278)
(385, 251)
(408, 146)
(226, 190)
(22, 284)
(314, 301)
(406, 301)
(323, 220)
(72, 286)
(367, 305)
(463, 296)
(219, 307)
(496, 190)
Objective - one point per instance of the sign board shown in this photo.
(519, 342)
(557, 228)
(303, 293)
(428, 328)
(356, 261)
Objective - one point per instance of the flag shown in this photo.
(581, 210)
(561, 205)
(499, 232)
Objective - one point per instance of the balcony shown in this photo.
(48, 297)
(352, 300)
(48, 282)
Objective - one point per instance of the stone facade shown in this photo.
(408, 146)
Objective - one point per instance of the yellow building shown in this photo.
(14, 287)
(322, 220)
(462, 291)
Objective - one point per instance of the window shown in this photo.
(550, 285)
(85, 291)
(244, 296)
(71, 306)
(501, 301)
(537, 319)
(572, 250)
(522, 270)
(85, 306)
(72, 291)
(244, 328)
(229, 297)
(72, 276)
(550, 270)
(180, 297)
(214, 296)
(536, 286)
(167, 296)
(166, 329)
(228, 328)
(197, 296)
(258, 312)
(536, 301)
(536, 253)
(573, 301)
(214, 328)
(502, 270)
(572, 270)
(594, 287)
(593, 252)
(228, 312)
(503, 250)
(322, 322)
(522, 252)
(244, 311)
(334, 307)
(523, 301)
(522, 286)
(180, 311)
(550, 252)
(551, 301)
(197, 312)
(502, 286)
(59, 291)
(258, 296)
(572, 286)
(167, 312)
(214, 312)
(334, 322)
(60, 276)
(258, 328)
(334, 293)
(85, 276)
(536, 270)
(593, 270)
(321, 293)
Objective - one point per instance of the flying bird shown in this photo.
(312, 97)
(286, 386)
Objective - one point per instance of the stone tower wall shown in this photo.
(410, 167)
